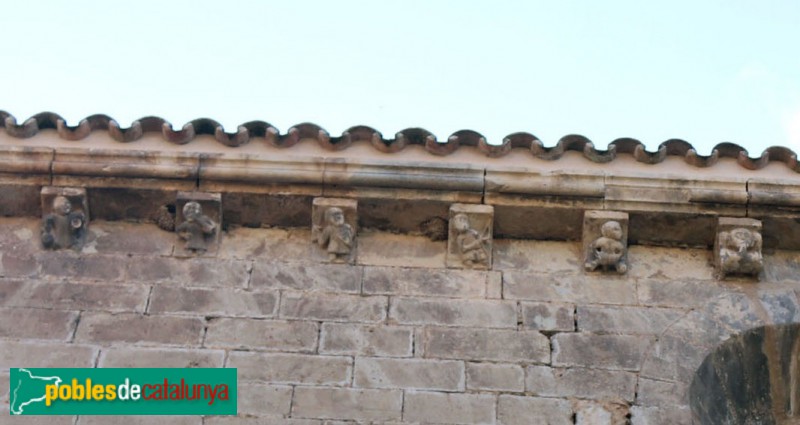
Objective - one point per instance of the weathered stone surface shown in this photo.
(737, 247)
(335, 308)
(213, 302)
(474, 313)
(495, 377)
(76, 296)
(674, 359)
(199, 272)
(265, 420)
(517, 410)
(292, 368)
(105, 328)
(569, 288)
(626, 320)
(677, 293)
(163, 357)
(425, 282)
(259, 399)
(443, 375)
(624, 352)
(430, 407)
(781, 305)
(115, 237)
(18, 265)
(600, 413)
(662, 393)
(289, 245)
(45, 354)
(277, 335)
(580, 382)
(669, 263)
(301, 277)
(537, 256)
(65, 217)
(641, 415)
(548, 316)
(386, 249)
(345, 403)
(494, 285)
(66, 264)
(486, 344)
(469, 243)
(200, 230)
(31, 323)
(383, 341)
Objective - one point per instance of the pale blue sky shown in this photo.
(704, 71)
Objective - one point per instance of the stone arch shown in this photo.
(751, 378)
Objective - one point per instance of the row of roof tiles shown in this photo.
(411, 136)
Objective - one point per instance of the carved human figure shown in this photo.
(740, 251)
(196, 228)
(63, 228)
(471, 245)
(336, 236)
(608, 251)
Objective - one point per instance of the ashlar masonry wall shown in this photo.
(395, 338)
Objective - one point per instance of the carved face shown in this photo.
(335, 216)
(192, 210)
(61, 205)
(461, 223)
(742, 238)
(612, 230)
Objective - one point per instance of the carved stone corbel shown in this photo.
(334, 228)
(65, 217)
(469, 242)
(737, 247)
(605, 241)
(198, 217)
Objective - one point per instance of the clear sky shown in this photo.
(703, 71)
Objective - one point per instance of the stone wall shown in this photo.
(396, 338)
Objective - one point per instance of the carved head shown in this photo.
(742, 238)
(612, 230)
(192, 210)
(461, 223)
(61, 205)
(334, 216)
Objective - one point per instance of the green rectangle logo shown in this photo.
(123, 391)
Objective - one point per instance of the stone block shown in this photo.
(292, 368)
(665, 394)
(597, 384)
(346, 403)
(34, 323)
(117, 237)
(515, 255)
(65, 264)
(737, 247)
(622, 352)
(334, 229)
(432, 407)
(469, 241)
(365, 340)
(670, 264)
(518, 410)
(473, 313)
(80, 296)
(333, 308)
(103, 328)
(642, 415)
(565, 288)
(65, 217)
(274, 244)
(199, 224)
(336, 278)
(400, 250)
(263, 400)
(425, 282)
(486, 344)
(548, 316)
(213, 302)
(627, 320)
(495, 377)
(140, 420)
(605, 241)
(600, 413)
(263, 420)
(127, 357)
(272, 335)
(45, 354)
(494, 285)
(442, 375)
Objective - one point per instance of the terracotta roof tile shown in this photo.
(411, 136)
